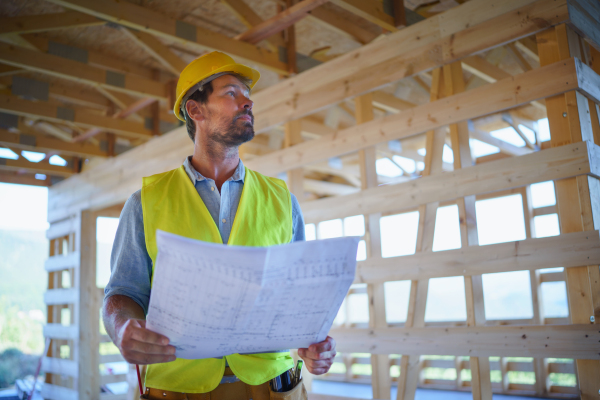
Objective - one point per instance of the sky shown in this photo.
(23, 207)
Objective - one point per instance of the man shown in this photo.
(211, 197)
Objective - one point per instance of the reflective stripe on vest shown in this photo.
(171, 203)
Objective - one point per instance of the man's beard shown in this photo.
(236, 133)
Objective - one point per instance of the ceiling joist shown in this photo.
(73, 70)
(46, 22)
(177, 31)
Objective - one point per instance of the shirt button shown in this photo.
(224, 220)
(212, 188)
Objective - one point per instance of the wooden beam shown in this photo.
(249, 18)
(42, 167)
(484, 69)
(332, 20)
(177, 31)
(389, 102)
(73, 70)
(94, 58)
(372, 11)
(62, 262)
(279, 22)
(577, 199)
(504, 147)
(568, 161)
(61, 296)
(49, 112)
(402, 54)
(132, 109)
(328, 188)
(22, 179)
(477, 102)
(159, 51)
(566, 250)
(568, 341)
(37, 142)
(46, 22)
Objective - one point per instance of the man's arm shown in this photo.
(128, 292)
(125, 323)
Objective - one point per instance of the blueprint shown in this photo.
(213, 300)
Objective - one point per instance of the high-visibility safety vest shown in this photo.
(171, 203)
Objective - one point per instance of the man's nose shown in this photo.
(248, 104)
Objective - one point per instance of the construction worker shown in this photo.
(211, 197)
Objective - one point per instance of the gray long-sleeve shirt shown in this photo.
(130, 264)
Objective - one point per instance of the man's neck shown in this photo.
(218, 167)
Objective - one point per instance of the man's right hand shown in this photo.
(139, 345)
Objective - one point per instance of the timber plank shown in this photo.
(505, 94)
(417, 48)
(568, 341)
(158, 24)
(566, 250)
(551, 164)
(73, 70)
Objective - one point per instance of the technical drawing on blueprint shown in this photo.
(213, 300)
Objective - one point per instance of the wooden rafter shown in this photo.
(80, 72)
(133, 108)
(49, 112)
(249, 18)
(46, 22)
(94, 58)
(42, 167)
(155, 23)
(418, 119)
(279, 22)
(370, 10)
(158, 50)
(340, 24)
(362, 69)
(22, 179)
(36, 142)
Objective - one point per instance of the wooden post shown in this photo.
(459, 136)
(536, 302)
(87, 315)
(291, 44)
(380, 364)
(569, 121)
(410, 365)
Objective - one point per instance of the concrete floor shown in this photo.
(361, 391)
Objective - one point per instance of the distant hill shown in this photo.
(23, 279)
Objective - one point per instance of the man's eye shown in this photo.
(231, 93)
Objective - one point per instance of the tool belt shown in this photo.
(231, 388)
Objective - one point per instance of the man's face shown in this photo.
(229, 118)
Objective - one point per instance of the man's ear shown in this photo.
(194, 110)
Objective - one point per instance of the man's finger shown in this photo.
(145, 335)
(143, 359)
(318, 363)
(326, 345)
(317, 356)
(147, 348)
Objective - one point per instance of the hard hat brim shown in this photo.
(243, 70)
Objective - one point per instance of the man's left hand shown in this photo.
(319, 356)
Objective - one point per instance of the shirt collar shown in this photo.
(238, 175)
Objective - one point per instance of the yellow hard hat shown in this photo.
(205, 66)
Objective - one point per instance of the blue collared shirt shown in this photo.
(130, 263)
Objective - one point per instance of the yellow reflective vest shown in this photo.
(171, 203)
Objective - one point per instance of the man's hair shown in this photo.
(201, 96)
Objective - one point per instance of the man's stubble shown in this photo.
(227, 135)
